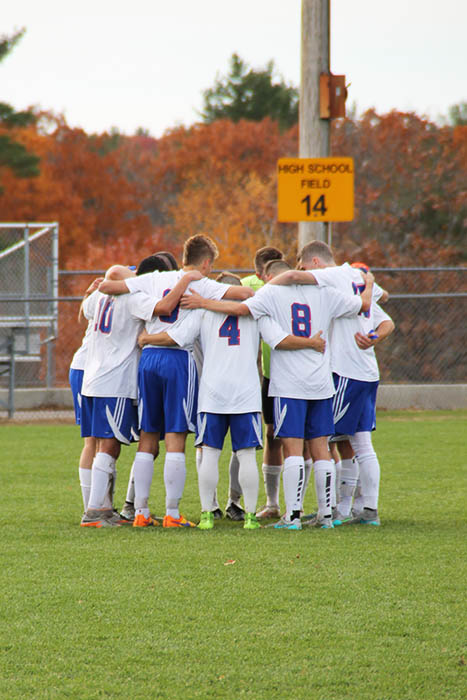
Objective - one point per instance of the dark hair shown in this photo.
(199, 248)
(168, 258)
(264, 255)
(227, 277)
(151, 264)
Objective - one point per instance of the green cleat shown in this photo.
(251, 523)
(207, 520)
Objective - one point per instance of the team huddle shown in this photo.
(317, 326)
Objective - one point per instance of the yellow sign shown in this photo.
(315, 189)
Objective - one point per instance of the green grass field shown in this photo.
(351, 614)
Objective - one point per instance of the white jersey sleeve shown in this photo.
(142, 283)
(346, 278)
(270, 331)
(259, 304)
(185, 332)
(379, 315)
(89, 305)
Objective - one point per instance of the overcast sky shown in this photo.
(105, 63)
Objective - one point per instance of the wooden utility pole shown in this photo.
(314, 132)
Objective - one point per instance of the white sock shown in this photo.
(358, 497)
(85, 479)
(272, 483)
(349, 476)
(109, 496)
(235, 490)
(174, 480)
(369, 468)
(143, 470)
(248, 477)
(338, 481)
(102, 472)
(323, 476)
(208, 477)
(333, 483)
(130, 492)
(293, 478)
(308, 470)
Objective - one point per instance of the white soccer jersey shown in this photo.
(111, 368)
(157, 285)
(229, 381)
(89, 306)
(346, 357)
(303, 310)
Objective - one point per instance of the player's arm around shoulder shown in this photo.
(366, 296)
(231, 308)
(167, 304)
(159, 339)
(294, 277)
(293, 342)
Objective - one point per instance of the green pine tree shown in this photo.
(251, 94)
(12, 153)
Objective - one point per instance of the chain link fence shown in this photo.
(429, 345)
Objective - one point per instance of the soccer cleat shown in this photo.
(367, 517)
(235, 512)
(127, 514)
(339, 519)
(99, 518)
(176, 522)
(268, 512)
(310, 516)
(285, 524)
(141, 521)
(250, 522)
(218, 514)
(207, 520)
(318, 521)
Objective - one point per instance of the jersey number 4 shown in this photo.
(230, 330)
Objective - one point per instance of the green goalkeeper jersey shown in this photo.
(255, 283)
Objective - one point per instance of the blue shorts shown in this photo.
(75, 378)
(302, 418)
(245, 430)
(168, 391)
(354, 405)
(109, 418)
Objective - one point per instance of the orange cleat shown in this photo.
(141, 521)
(176, 522)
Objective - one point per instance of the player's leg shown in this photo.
(179, 388)
(211, 431)
(174, 479)
(215, 508)
(88, 451)
(143, 470)
(369, 476)
(85, 468)
(289, 425)
(112, 421)
(319, 425)
(233, 509)
(272, 458)
(246, 434)
(347, 482)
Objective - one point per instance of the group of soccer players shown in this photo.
(318, 325)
